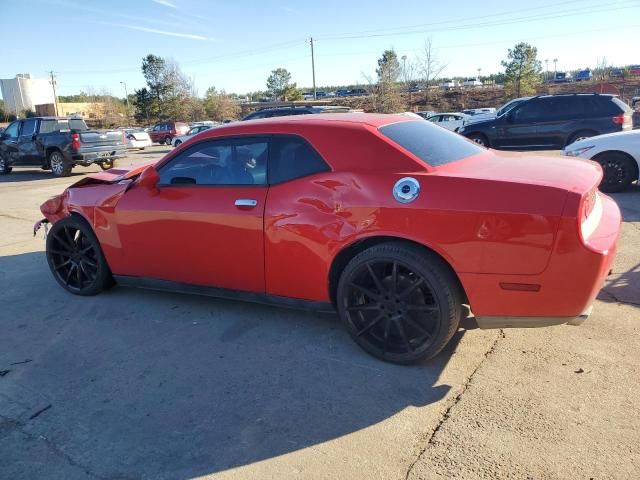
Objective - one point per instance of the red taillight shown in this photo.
(75, 141)
(588, 203)
(618, 119)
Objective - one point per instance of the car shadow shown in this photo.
(623, 287)
(629, 202)
(149, 384)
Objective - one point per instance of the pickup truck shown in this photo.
(58, 144)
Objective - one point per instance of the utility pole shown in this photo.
(546, 72)
(126, 95)
(555, 68)
(55, 97)
(313, 69)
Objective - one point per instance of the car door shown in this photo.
(9, 144)
(27, 148)
(155, 133)
(559, 113)
(203, 225)
(518, 128)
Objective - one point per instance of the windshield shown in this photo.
(430, 143)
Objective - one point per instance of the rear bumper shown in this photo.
(531, 322)
(97, 156)
(565, 290)
(139, 144)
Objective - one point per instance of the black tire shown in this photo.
(618, 171)
(75, 257)
(177, 144)
(479, 138)
(399, 303)
(59, 166)
(106, 165)
(581, 136)
(4, 168)
(167, 141)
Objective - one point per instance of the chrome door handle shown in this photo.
(246, 202)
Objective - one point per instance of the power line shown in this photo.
(495, 42)
(512, 21)
(458, 20)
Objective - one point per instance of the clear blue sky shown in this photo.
(233, 45)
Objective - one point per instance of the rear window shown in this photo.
(62, 125)
(430, 143)
(621, 105)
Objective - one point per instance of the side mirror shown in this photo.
(509, 117)
(149, 178)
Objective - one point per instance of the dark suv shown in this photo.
(294, 110)
(551, 122)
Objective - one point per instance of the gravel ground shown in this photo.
(137, 384)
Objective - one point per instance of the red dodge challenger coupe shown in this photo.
(392, 221)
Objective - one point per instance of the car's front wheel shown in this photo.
(4, 166)
(618, 171)
(479, 138)
(177, 144)
(75, 257)
(399, 303)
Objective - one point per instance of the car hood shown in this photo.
(480, 117)
(616, 136)
(570, 174)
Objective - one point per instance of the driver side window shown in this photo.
(221, 162)
(12, 130)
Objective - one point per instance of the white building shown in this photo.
(24, 93)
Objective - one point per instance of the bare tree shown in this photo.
(430, 65)
(373, 88)
(409, 69)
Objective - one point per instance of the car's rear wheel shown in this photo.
(177, 144)
(58, 166)
(618, 171)
(167, 141)
(75, 257)
(4, 166)
(479, 138)
(399, 303)
(576, 137)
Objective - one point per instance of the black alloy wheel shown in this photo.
(75, 257)
(617, 172)
(398, 303)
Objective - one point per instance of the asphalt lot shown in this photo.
(140, 384)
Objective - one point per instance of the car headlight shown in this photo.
(577, 152)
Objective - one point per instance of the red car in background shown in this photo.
(165, 131)
(390, 220)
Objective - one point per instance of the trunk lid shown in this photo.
(570, 174)
(94, 138)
